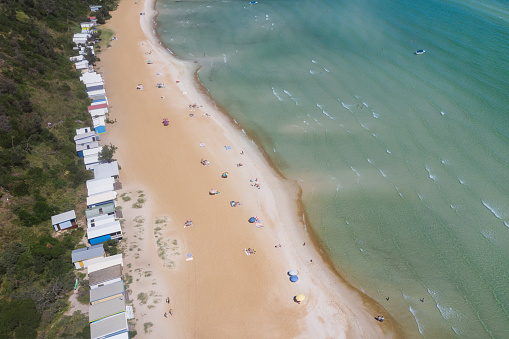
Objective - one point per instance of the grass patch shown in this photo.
(126, 198)
(161, 220)
(147, 327)
(142, 297)
(139, 219)
(139, 191)
(148, 274)
(137, 205)
(175, 242)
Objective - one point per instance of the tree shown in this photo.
(107, 153)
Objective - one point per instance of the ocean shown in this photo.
(402, 158)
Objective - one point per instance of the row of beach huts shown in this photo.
(108, 312)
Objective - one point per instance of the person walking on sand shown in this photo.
(171, 312)
(165, 315)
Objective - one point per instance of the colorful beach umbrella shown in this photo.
(294, 278)
(300, 297)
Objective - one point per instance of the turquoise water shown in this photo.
(403, 158)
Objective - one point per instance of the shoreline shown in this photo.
(365, 304)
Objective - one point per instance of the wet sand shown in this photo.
(222, 292)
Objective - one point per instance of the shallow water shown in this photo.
(403, 158)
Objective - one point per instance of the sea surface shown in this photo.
(403, 158)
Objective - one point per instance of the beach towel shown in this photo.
(227, 147)
(189, 256)
(247, 253)
(202, 144)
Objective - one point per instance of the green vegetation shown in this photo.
(107, 153)
(42, 102)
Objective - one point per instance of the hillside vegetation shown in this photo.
(42, 102)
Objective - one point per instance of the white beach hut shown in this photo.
(96, 186)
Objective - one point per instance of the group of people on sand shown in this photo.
(255, 183)
(170, 311)
(380, 318)
(250, 251)
(188, 223)
(205, 162)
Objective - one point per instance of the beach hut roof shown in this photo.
(106, 309)
(100, 220)
(105, 274)
(88, 145)
(100, 182)
(99, 231)
(102, 197)
(105, 262)
(116, 324)
(86, 253)
(100, 210)
(109, 169)
(106, 291)
(59, 218)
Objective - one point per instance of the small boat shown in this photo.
(419, 52)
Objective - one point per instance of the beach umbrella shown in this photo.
(252, 220)
(300, 297)
(292, 272)
(294, 278)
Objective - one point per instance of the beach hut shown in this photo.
(105, 170)
(99, 102)
(102, 263)
(98, 94)
(100, 220)
(96, 186)
(92, 151)
(86, 49)
(94, 88)
(102, 233)
(84, 138)
(87, 27)
(105, 276)
(95, 8)
(101, 199)
(77, 58)
(83, 130)
(83, 64)
(106, 209)
(91, 77)
(99, 124)
(98, 109)
(106, 309)
(82, 256)
(91, 160)
(63, 221)
(108, 292)
(80, 38)
(113, 327)
(80, 148)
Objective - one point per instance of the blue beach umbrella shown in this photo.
(294, 278)
(252, 220)
(292, 272)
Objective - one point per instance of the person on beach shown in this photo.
(171, 312)
(168, 300)
(165, 315)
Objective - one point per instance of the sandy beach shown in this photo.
(222, 292)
